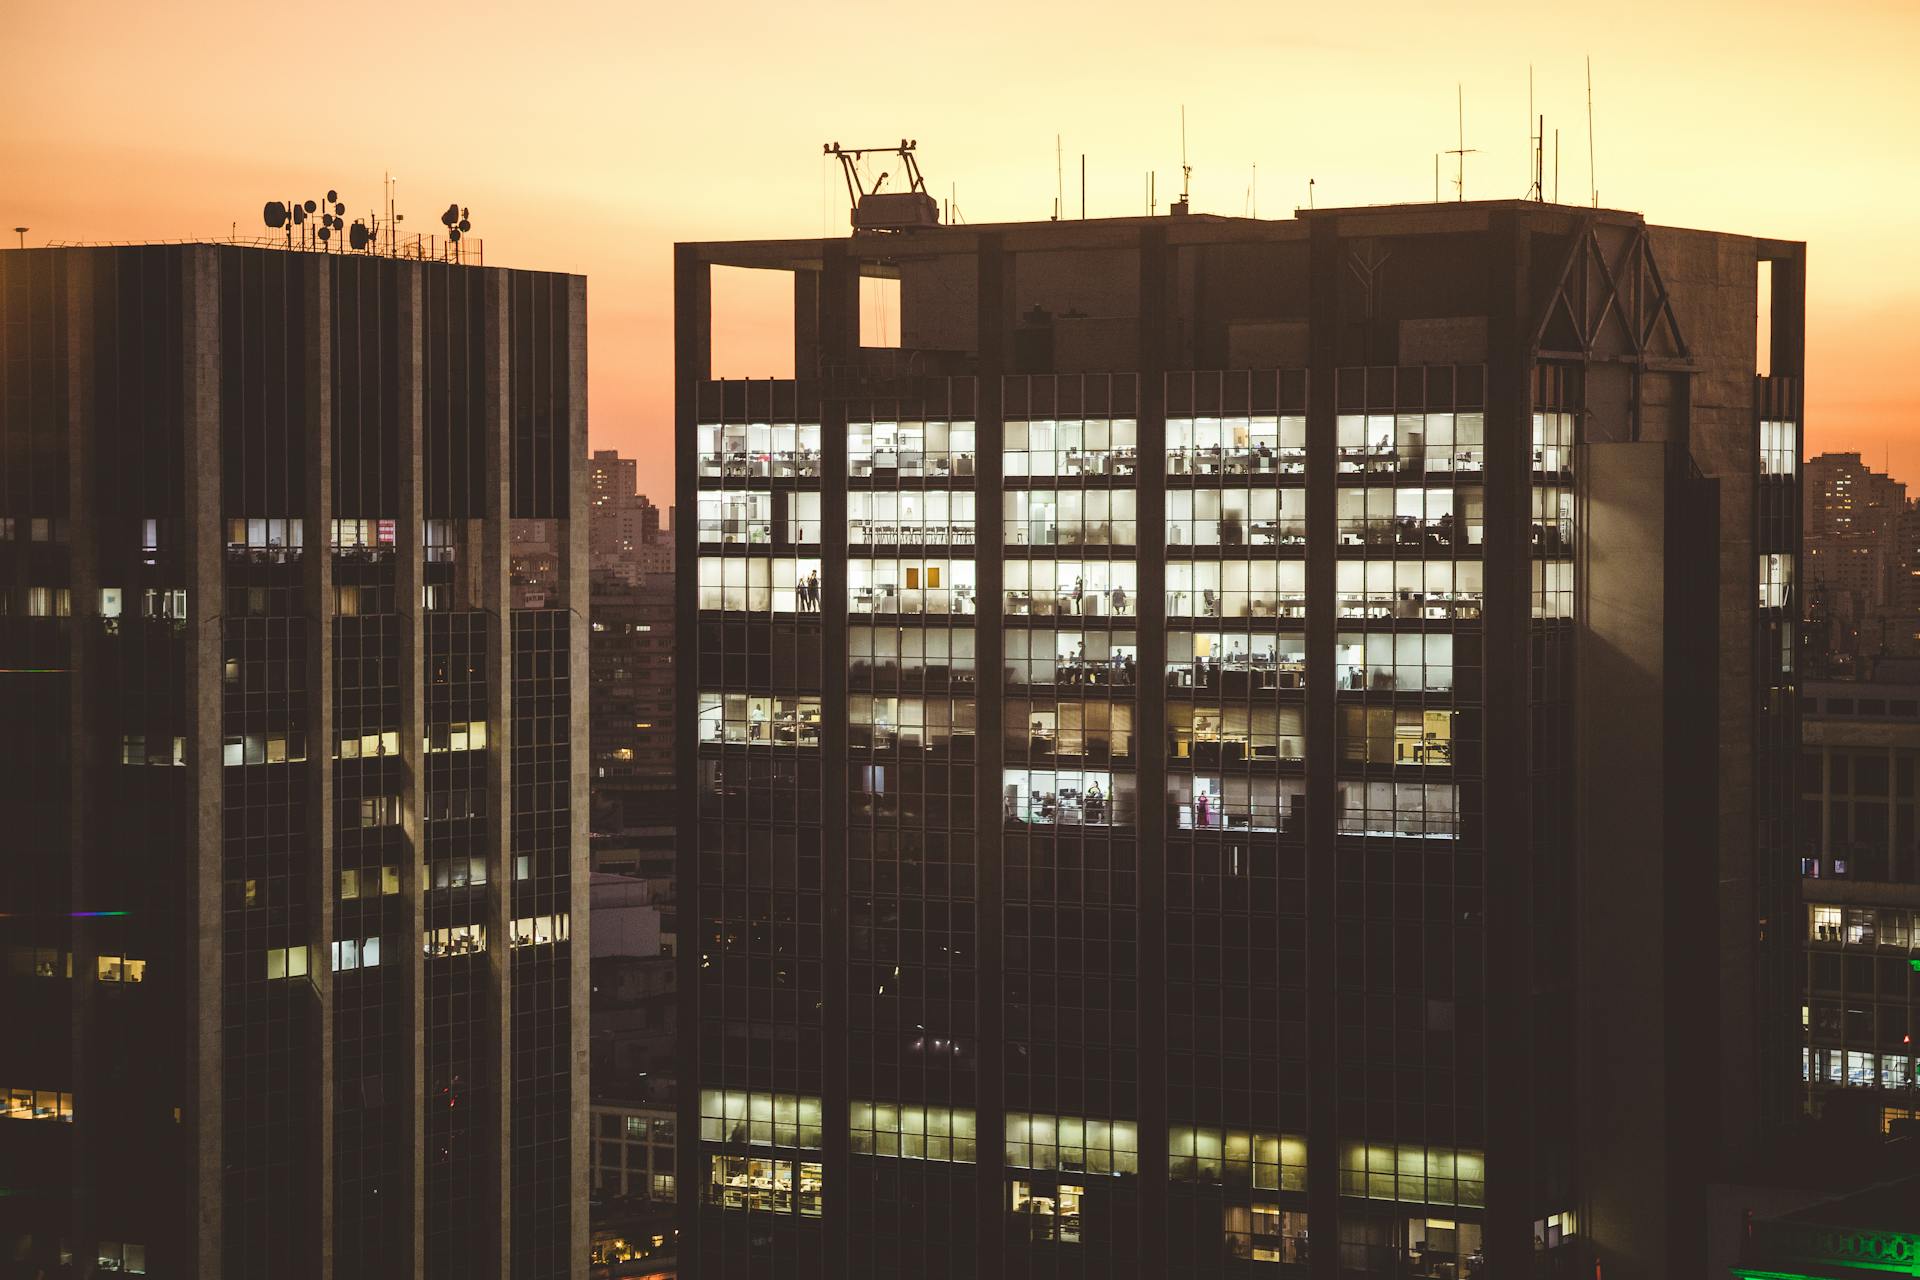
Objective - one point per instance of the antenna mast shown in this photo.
(1593, 191)
(1536, 143)
(1462, 151)
(1186, 170)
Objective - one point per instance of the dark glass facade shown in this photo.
(312, 1003)
(1156, 748)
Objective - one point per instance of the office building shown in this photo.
(1238, 744)
(1861, 860)
(296, 818)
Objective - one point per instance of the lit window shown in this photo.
(1072, 1143)
(1413, 1174)
(286, 962)
(1237, 1158)
(456, 940)
(1050, 1211)
(765, 1185)
(121, 969)
(36, 1104)
(771, 1119)
(534, 931)
(913, 1132)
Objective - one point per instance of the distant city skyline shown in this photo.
(617, 143)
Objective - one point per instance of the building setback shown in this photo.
(297, 827)
(1238, 743)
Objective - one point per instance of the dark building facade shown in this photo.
(631, 657)
(1861, 860)
(1238, 745)
(297, 834)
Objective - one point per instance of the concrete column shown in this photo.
(410, 913)
(202, 926)
(839, 335)
(1150, 741)
(85, 751)
(316, 574)
(993, 266)
(1507, 629)
(496, 599)
(579, 882)
(692, 310)
(1323, 1171)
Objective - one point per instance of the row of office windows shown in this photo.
(1884, 928)
(1859, 1069)
(1374, 589)
(1368, 444)
(36, 1104)
(1046, 1142)
(1402, 518)
(53, 962)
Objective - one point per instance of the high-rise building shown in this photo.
(626, 541)
(1238, 743)
(1861, 860)
(296, 820)
(1857, 582)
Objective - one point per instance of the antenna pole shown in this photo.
(1593, 192)
(1436, 177)
(1186, 170)
(1460, 106)
(1534, 191)
(1059, 182)
(1556, 166)
(1083, 186)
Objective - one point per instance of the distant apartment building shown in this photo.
(626, 541)
(1860, 785)
(1860, 595)
(1238, 745)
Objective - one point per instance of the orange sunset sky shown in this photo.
(589, 136)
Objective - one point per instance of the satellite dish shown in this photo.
(299, 215)
(325, 232)
(311, 206)
(357, 236)
(275, 214)
(452, 215)
(332, 196)
(453, 235)
(338, 209)
(465, 225)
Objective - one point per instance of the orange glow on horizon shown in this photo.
(589, 136)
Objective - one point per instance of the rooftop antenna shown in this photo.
(1309, 194)
(1059, 182)
(1534, 140)
(1462, 151)
(1083, 186)
(22, 233)
(1556, 166)
(1186, 170)
(1436, 177)
(1593, 191)
(1256, 188)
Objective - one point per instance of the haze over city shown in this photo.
(588, 137)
